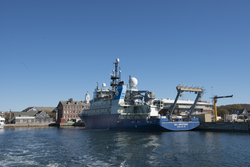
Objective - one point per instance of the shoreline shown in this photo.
(43, 125)
(28, 125)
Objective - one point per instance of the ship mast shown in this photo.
(114, 76)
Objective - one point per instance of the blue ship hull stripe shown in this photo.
(112, 121)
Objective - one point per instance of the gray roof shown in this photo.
(39, 109)
(26, 109)
(46, 108)
(27, 114)
(240, 111)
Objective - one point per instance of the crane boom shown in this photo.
(217, 97)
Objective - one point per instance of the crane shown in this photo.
(215, 101)
(181, 89)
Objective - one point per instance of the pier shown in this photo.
(224, 126)
(29, 125)
(44, 125)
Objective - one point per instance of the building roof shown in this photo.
(27, 109)
(240, 111)
(75, 103)
(30, 109)
(27, 114)
(46, 108)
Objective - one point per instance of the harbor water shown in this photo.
(51, 146)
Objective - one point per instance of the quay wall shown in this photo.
(43, 125)
(25, 125)
(224, 126)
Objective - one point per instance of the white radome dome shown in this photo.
(103, 85)
(133, 82)
(117, 60)
(87, 98)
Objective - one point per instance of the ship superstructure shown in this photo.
(127, 108)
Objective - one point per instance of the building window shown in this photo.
(64, 111)
(64, 116)
(70, 116)
(73, 107)
(65, 107)
(70, 111)
(73, 116)
(74, 111)
(67, 111)
(70, 107)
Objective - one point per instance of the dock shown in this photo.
(28, 125)
(44, 125)
(224, 126)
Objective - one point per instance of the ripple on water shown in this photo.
(77, 147)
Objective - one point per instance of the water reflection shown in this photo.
(79, 147)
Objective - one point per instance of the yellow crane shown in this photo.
(215, 101)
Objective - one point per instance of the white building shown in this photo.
(182, 107)
(230, 118)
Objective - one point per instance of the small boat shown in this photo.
(2, 120)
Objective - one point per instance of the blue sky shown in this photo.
(56, 50)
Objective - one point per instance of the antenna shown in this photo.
(120, 74)
(115, 78)
(129, 81)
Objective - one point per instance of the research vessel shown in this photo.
(124, 107)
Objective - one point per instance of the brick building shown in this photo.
(69, 110)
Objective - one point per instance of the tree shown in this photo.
(7, 116)
(222, 112)
(235, 107)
